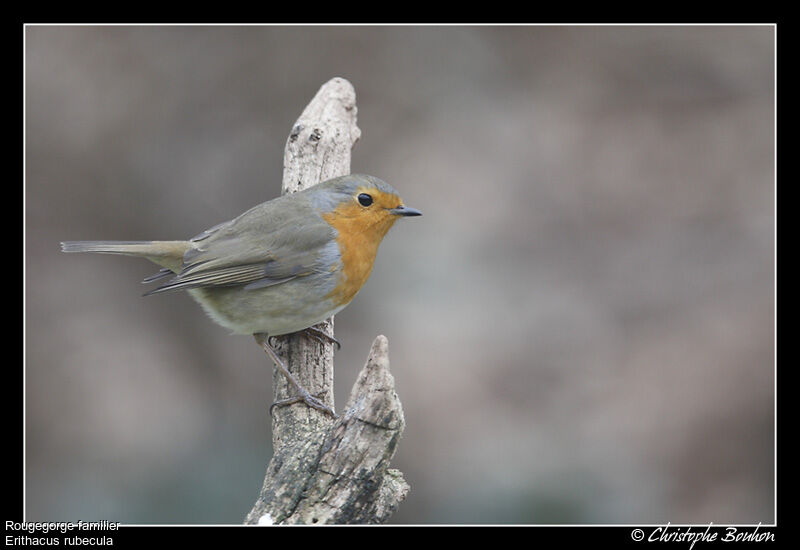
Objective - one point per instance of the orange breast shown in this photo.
(360, 233)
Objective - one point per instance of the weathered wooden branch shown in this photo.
(326, 470)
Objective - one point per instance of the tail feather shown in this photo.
(106, 247)
(168, 254)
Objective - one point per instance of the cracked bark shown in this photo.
(326, 470)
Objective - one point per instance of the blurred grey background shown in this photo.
(581, 325)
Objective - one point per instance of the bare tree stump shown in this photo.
(325, 470)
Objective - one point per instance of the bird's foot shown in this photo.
(321, 337)
(314, 401)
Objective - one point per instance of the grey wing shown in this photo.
(265, 246)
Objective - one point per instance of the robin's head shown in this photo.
(361, 209)
(360, 203)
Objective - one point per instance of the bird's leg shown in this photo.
(321, 337)
(298, 399)
(303, 394)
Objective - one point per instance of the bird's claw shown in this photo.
(313, 401)
(322, 337)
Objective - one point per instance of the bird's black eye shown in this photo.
(364, 199)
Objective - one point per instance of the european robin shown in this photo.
(280, 267)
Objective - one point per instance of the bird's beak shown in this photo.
(405, 211)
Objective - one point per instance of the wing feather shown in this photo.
(270, 244)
